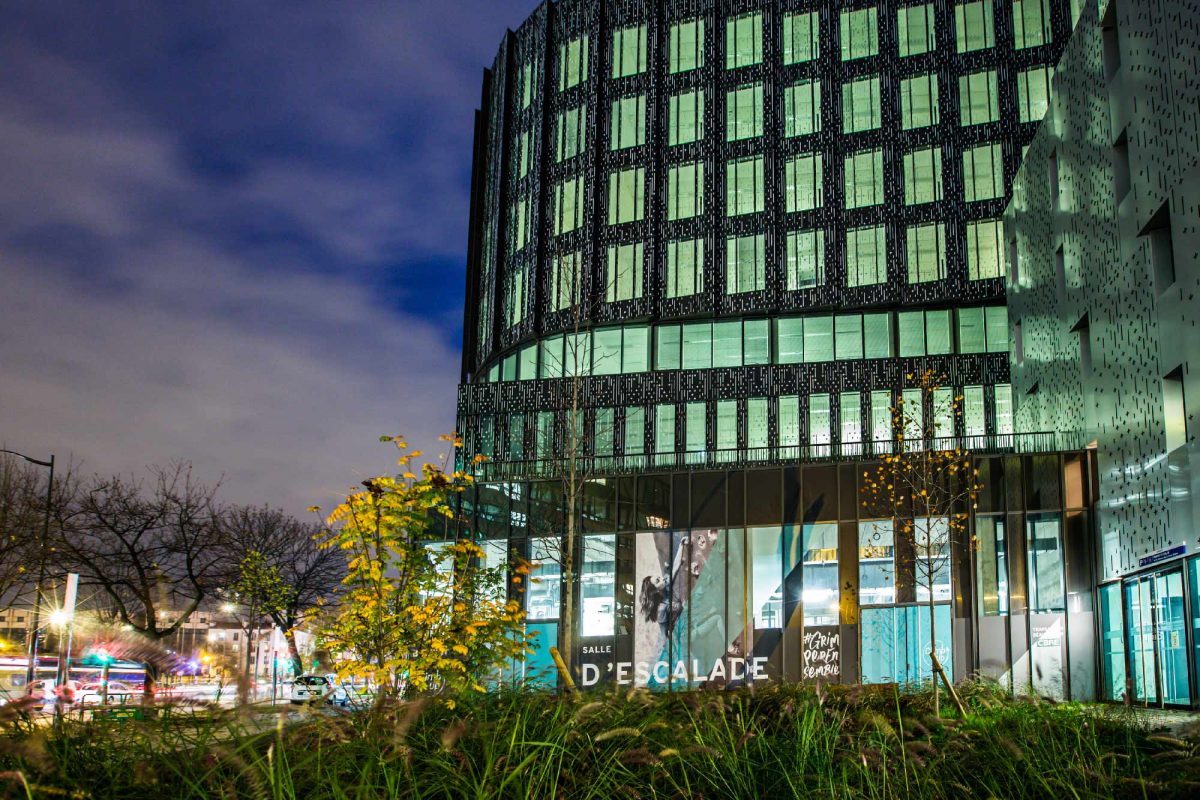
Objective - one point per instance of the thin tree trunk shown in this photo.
(933, 659)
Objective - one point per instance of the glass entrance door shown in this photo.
(1156, 627)
(1139, 627)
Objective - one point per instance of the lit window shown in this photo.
(801, 37)
(915, 29)
(743, 41)
(983, 172)
(926, 252)
(564, 278)
(744, 112)
(818, 339)
(626, 195)
(570, 133)
(877, 335)
(1004, 410)
(789, 340)
(695, 427)
(744, 186)
(802, 108)
(628, 127)
(624, 278)
(860, 105)
(864, 179)
(513, 301)
(850, 416)
(524, 154)
(860, 33)
(970, 331)
(1033, 93)
(745, 264)
(984, 249)
(789, 420)
(568, 205)
(974, 26)
(629, 51)
(866, 256)
(805, 259)
(923, 176)
(978, 98)
(919, 102)
(572, 63)
(685, 267)
(848, 337)
(818, 426)
(664, 429)
(527, 77)
(804, 185)
(685, 190)
(1031, 23)
(727, 343)
(635, 431)
(757, 426)
(686, 46)
(973, 413)
(727, 425)
(685, 117)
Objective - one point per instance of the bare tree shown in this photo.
(153, 554)
(22, 513)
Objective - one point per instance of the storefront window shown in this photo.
(895, 644)
(1046, 594)
(766, 571)
(597, 586)
(876, 562)
(992, 566)
(931, 544)
(821, 593)
(544, 585)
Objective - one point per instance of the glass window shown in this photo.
(664, 429)
(528, 357)
(695, 422)
(524, 154)
(1045, 573)
(983, 172)
(789, 420)
(850, 417)
(911, 328)
(864, 179)
(821, 598)
(521, 221)
(881, 417)
(635, 348)
(516, 437)
(923, 176)
(805, 259)
(527, 78)
(1004, 412)
(860, 33)
(972, 411)
(804, 186)
(626, 195)
(970, 330)
(727, 344)
(744, 186)
(766, 575)
(624, 278)
(564, 280)
(801, 37)
(545, 579)
(509, 368)
(598, 586)
(551, 358)
(635, 430)
(978, 98)
(628, 122)
(577, 354)
(992, 566)
(943, 413)
(727, 427)
(572, 63)
(931, 541)
(603, 436)
(877, 336)
(860, 105)
(974, 26)
(629, 51)
(866, 256)
(685, 190)
(926, 252)
(667, 342)
(568, 205)
(937, 333)
(984, 249)
(915, 29)
(570, 133)
(756, 336)
(745, 264)
(685, 117)
(744, 112)
(685, 267)
(789, 340)
(876, 562)
(743, 41)
(996, 323)
(848, 337)
(1033, 93)
(513, 301)
(919, 101)
(697, 345)
(757, 421)
(802, 108)
(818, 339)
(818, 419)
(686, 46)
(1031, 23)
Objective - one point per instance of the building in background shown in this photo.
(714, 241)
(1104, 236)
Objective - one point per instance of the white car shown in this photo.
(119, 693)
(307, 688)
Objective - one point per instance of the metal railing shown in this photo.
(595, 465)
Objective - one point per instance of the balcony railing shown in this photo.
(595, 465)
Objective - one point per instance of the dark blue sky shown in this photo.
(235, 232)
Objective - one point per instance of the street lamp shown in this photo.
(37, 594)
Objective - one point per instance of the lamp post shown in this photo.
(32, 648)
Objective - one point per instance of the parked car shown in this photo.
(119, 693)
(357, 695)
(307, 688)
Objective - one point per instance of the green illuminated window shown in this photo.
(745, 264)
(686, 46)
(757, 425)
(978, 98)
(974, 26)
(685, 117)
(743, 41)
(877, 335)
(1031, 23)
(801, 38)
(866, 256)
(727, 425)
(606, 351)
(818, 420)
(926, 252)
(550, 361)
(913, 414)
(568, 205)
(983, 172)
(881, 416)
(919, 101)
(973, 414)
(623, 280)
(527, 77)
(513, 301)
(789, 420)
(744, 112)
(695, 426)
(805, 259)
(756, 341)
(789, 340)
(864, 179)
(970, 330)
(520, 224)
(664, 429)
(860, 105)
(628, 122)
(635, 348)
(524, 154)
(915, 29)
(572, 63)
(629, 51)
(859, 33)
(818, 339)
(923, 176)
(626, 195)
(996, 324)
(1002, 392)
(564, 280)
(685, 267)
(727, 343)
(984, 249)
(802, 108)
(635, 431)
(667, 343)
(938, 339)
(697, 345)
(803, 184)
(685, 190)
(848, 337)
(850, 417)
(605, 431)
(910, 326)
(570, 133)
(744, 186)
(1033, 93)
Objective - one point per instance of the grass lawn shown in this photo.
(770, 743)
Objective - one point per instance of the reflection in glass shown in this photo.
(766, 575)
(876, 562)
(931, 546)
(821, 594)
(1112, 636)
(1046, 591)
(545, 586)
(598, 586)
(992, 566)
(895, 643)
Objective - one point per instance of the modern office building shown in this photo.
(1104, 232)
(714, 242)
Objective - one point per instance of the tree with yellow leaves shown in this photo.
(926, 485)
(418, 615)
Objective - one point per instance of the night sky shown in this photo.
(235, 233)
